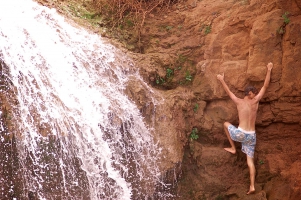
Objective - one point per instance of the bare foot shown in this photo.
(231, 150)
(251, 191)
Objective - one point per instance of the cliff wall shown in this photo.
(180, 52)
(237, 38)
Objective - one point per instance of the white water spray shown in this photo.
(79, 136)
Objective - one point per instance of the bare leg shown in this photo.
(232, 149)
(250, 162)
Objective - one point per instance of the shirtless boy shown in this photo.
(247, 111)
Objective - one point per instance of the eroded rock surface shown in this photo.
(197, 40)
(244, 36)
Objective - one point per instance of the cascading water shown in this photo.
(77, 135)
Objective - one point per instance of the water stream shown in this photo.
(76, 134)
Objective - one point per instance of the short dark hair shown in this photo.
(250, 89)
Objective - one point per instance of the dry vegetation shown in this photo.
(126, 17)
(122, 10)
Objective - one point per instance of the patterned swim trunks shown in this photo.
(247, 139)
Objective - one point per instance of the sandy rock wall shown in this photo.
(244, 37)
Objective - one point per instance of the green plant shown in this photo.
(188, 76)
(285, 17)
(196, 107)
(169, 73)
(193, 134)
(89, 16)
(207, 29)
(160, 80)
(168, 28)
(281, 29)
(261, 162)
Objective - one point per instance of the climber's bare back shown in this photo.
(247, 110)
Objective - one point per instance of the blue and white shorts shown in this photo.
(247, 139)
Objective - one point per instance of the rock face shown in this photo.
(184, 48)
(237, 38)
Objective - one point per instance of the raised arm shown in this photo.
(266, 82)
(220, 77)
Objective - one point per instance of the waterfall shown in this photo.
(76, 134)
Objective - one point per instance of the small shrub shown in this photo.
(285, 17)
(281, 29)
(193, 134)
(169, 73)
(160, 80)
(207, 29)
(168, 28)
(196, 107)
(188, 76)
(89, 16)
